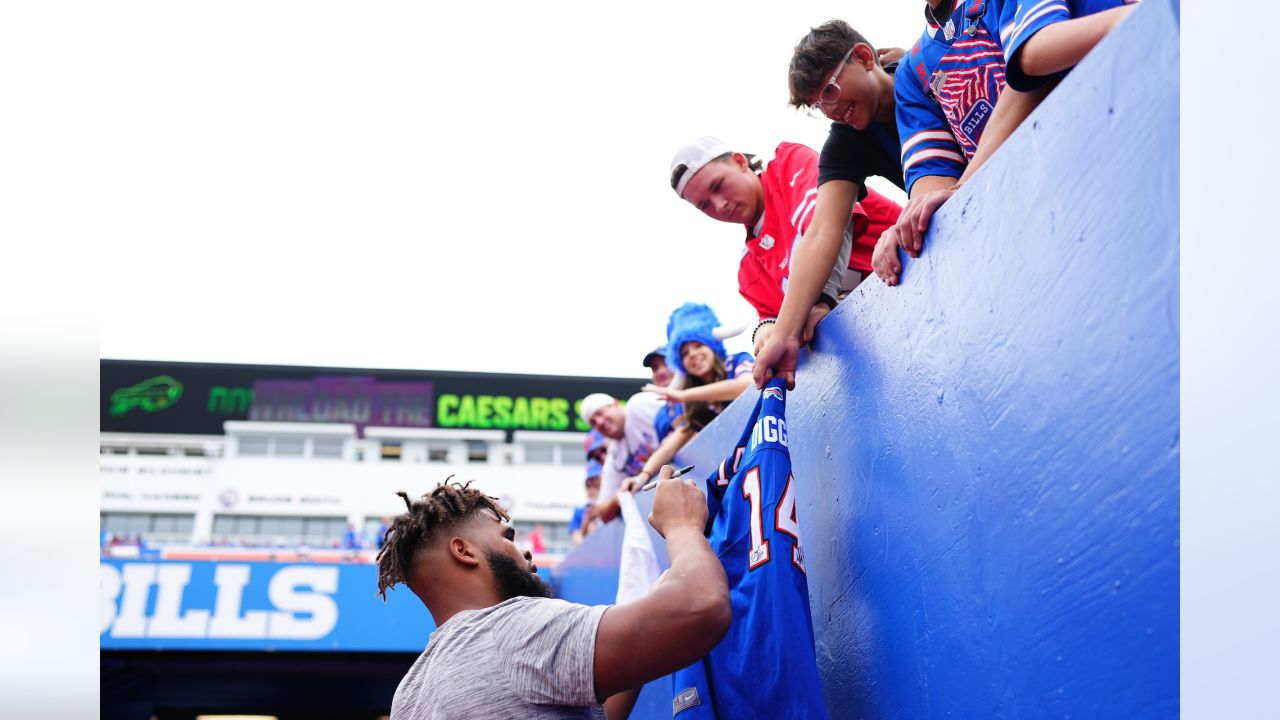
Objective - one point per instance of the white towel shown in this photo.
(639, 566)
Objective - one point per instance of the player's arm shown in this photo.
(619, 706)
(686, 612)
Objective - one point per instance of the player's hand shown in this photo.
(914, 221)
(890, 54)
(884, 259)
(668, 394)
(677, 504)
(816, 313)
(762, 335)
(777, 358)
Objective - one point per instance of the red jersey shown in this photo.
(790, 194)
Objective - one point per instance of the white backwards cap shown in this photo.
(592, 403)
(692, 157)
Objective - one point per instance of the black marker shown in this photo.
(654, 483)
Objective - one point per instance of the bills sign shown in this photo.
(255, 606)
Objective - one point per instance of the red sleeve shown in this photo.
(754, 288)
(797, 179)
(871, 217)
(880, 213)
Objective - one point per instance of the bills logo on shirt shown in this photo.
(976, 120)
(774, 393)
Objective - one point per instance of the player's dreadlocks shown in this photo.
(449, 504)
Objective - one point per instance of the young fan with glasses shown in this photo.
(837, 74)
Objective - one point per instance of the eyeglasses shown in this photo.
(830, 92)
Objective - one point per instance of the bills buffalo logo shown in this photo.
(773, 393)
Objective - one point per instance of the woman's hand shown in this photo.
(668, 394)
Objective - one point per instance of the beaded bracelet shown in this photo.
(766, 321)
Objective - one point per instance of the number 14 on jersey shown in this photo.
(784, 520)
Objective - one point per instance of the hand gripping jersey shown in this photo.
(790, 195)
(765, 666)
(1032, 16)
(946, 88)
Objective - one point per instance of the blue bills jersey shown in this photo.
(1032, 16)
(946, 88)
(664, 420)
(765, 666)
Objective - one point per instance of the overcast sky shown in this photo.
(457, 186)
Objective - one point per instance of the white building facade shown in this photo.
(216, 461)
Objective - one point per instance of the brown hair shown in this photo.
(816, 56)
(699, 413)
(450, 504)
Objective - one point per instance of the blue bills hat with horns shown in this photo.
(695, 321)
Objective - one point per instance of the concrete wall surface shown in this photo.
(987, 455)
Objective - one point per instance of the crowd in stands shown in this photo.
(924, 119)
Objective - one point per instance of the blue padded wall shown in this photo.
(987, 455)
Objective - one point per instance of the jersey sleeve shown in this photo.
(739, 364)
(664, 421)
(799, 182)
(749, 272)
(928, 147)
(1025, 18)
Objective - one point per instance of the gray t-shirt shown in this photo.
(522, 658)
